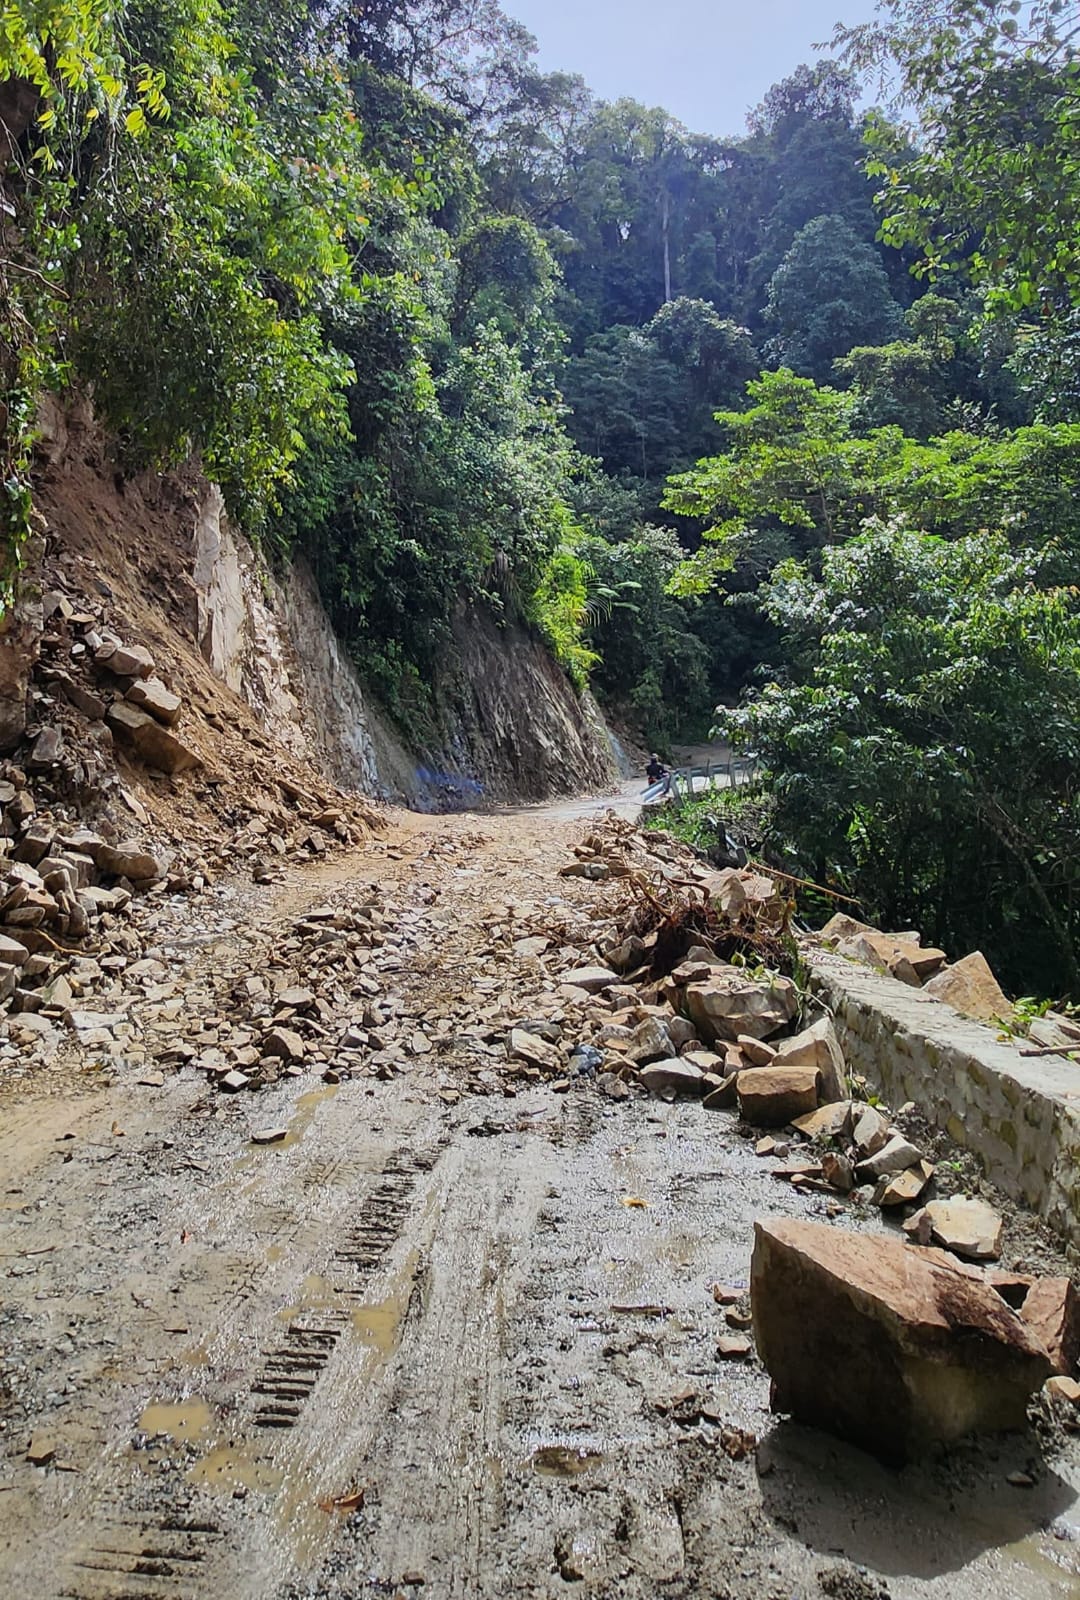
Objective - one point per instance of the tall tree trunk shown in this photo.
(665, 203)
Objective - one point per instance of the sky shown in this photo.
(705, 61)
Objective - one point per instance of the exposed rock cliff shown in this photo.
(250, 649)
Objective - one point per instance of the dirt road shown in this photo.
(425, 1345)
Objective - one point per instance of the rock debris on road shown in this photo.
(337, 1261)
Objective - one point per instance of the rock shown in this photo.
(692, 972)
(20, 640)
(870, 1132)
(681, 1032)
(594, 980)
(151, 1080)
(91, 705)
(269, 1135)
(284, 1043)
(46, 750)
(234, 1081)
(830, 1122)
(838, 1172)
(841, 927)
(894, 1156)
(628, 955)
(296, 999)
(41, 1450)
(901, 955)
(727, 1294)
(651, 1042)
(733, 1347)
(154, 744)
(707, 1060)
(730, 1004)
(531, 947)
(530, 1047)
(723, 1096)
(12, 952)
(153, 696)
(773, 1096)
(129, 860)
(1051, 1310)
(969, 1228)
(125, 661)
(883, 1344)
(925, 961)
(969, 986)
(903, 1188)
(756, 1051)
(676, 1073)
(1064, 1389)
(35, 844)
(818, 1047)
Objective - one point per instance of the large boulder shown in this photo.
(154, 696)
(885, 1344)
(771, 1097)
(154, 744)
(969, 986)
(730, 1003)
(818, 1047)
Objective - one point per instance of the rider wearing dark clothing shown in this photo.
(656, 769)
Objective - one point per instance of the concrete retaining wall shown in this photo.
(1020, 1117)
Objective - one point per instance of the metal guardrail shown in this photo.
(711, 775)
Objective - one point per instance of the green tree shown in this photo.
(991, 185)
(829, 294)
(922, 747)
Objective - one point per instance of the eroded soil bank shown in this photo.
(453, 1333)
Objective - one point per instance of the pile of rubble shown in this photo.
(892, 1341)
(71, 874)
(112, 685)
(60, 884)
(315, 1005)
(968, 985)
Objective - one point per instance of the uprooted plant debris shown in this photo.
(673, 903)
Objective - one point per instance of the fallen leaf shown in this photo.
(634, 1202)
(344, 1502)
(118, 1130)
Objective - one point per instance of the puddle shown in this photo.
(231, 1467)
(564, 1460)
(294, 1519)
(179, 1419)
(380, 1325)
(303, 1114)
(1028, 1554)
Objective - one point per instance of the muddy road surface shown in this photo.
(450, 1334)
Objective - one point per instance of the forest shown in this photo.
(782, 423)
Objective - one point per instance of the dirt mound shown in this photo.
(117, 562)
